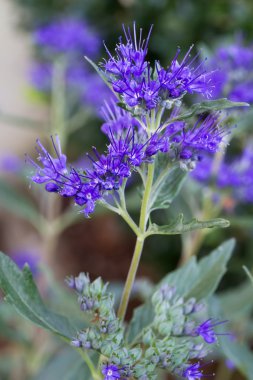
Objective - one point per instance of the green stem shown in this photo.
(127, 218)
(144, 214)
(94, 373)
(130, 277)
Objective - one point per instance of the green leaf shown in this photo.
(237, 302)
(248, 273)
(21, 292)
(240, 355)
(211, 105)
(179, 226)
(65, 365)
(99, 71)
(18, 204)
(194, 279)
(142, 317)
(167, 184)
(210, 271)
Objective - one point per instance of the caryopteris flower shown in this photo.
(193, 372)
(106, 172)
(110, 372)
(234, 177)
(185, 142)
(234, 77)
(141, 86)
(206, 330)
(67, 35)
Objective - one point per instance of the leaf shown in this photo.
(211, 105)
(65, 365)
(21, 292)
(178, 226)
(211, 270)
(142, 317)
(18, 204)
(237, 302)
(99, 71)
(240, 355)
(167, 184)
(198, 280)
(248, 273)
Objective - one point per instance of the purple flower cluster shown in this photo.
(235, 176)
(234, 77)
(71, 39)
(68, 35)
(140, 85)
(129, 146)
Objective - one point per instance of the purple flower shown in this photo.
(110, 372)
(137, 84)
(193, 372)
(11, 164)
(86, 87)
(106, 173)
(235, 63)
(230, 364)
(68, 36)
(235, 176)
(185, 142)
(40, 76)
(205, 136)
(206, 330)
(117, 120)
(23, 257)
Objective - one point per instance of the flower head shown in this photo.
(67, 35)
(235, 176)
(206, 330)
(189, 143)
(110, 372)
(234, 77)
(117, 120)
(193, 372)
(139, 85)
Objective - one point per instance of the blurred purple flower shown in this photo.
(71, 36)
(11, 164)
(22, 257)
(234, 77)
(235, 175)
(88, 88)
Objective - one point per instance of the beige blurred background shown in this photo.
(15, 61)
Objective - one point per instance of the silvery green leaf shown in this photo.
(17, 204)
(248, 273)
(65, 365)
(142, 317)
(208, 106)
(167, 183)
(99, 71)
(179, 226)
(239, 354)
(211, 270)
(21, 292)
(201, 279)
(237, 302)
